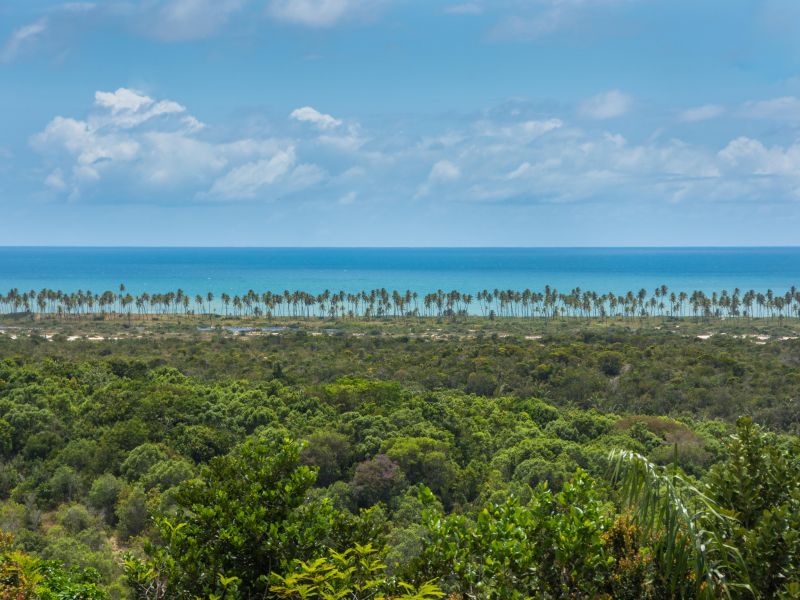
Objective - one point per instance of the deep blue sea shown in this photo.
(236, 270)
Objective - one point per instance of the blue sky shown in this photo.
(400, 122)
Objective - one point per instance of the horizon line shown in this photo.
(222, 247)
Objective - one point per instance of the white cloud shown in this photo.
(607, 105)
(520, 171)
(352, 174)
(519, 130)
(466, 8)
(350, 140)
(516, 27)
(785, 108)
(761, 173)
(751, 156)
(113, 141)
(152, 148)
(133, 140)
(21, 38)
(304, 176)
(249, 180)
(535, 19)
(179, 20)
(164, 20)
(92, 150)
(171, 159)
(130, 108)
(320, 13)
(349, 198)
(701, 113)
(444, 171)
(55, 180)
(122, 100)
(308, 114)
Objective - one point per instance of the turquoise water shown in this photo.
(236, 270)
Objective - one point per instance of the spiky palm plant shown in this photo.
(689, 532)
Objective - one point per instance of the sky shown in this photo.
(400, 122)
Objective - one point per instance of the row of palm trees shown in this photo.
(381, 303)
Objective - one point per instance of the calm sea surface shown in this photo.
(236, 270)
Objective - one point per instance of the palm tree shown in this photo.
(226, 300)
(210, 298)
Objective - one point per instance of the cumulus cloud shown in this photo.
(320, 13)
(153, 145)
(92, 149)
(751, 156)
(607, 105)
(701, 113)
(308, 114)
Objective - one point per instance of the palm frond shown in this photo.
(689, 531)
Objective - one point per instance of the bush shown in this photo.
(610, 363)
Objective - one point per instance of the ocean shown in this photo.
(237, 270)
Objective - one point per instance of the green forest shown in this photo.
(369, 462)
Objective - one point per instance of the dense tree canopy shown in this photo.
(583, 465)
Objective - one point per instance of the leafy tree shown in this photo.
(140, 460)
(377, 480)
(553, 546)
(759, 481)
(131, 511)
(166, 474)
(104, 494)
(425, 460)
(6, 438)
(330, 453)
(64, 485)
(241, 519)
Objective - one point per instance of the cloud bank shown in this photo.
(154, 150)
